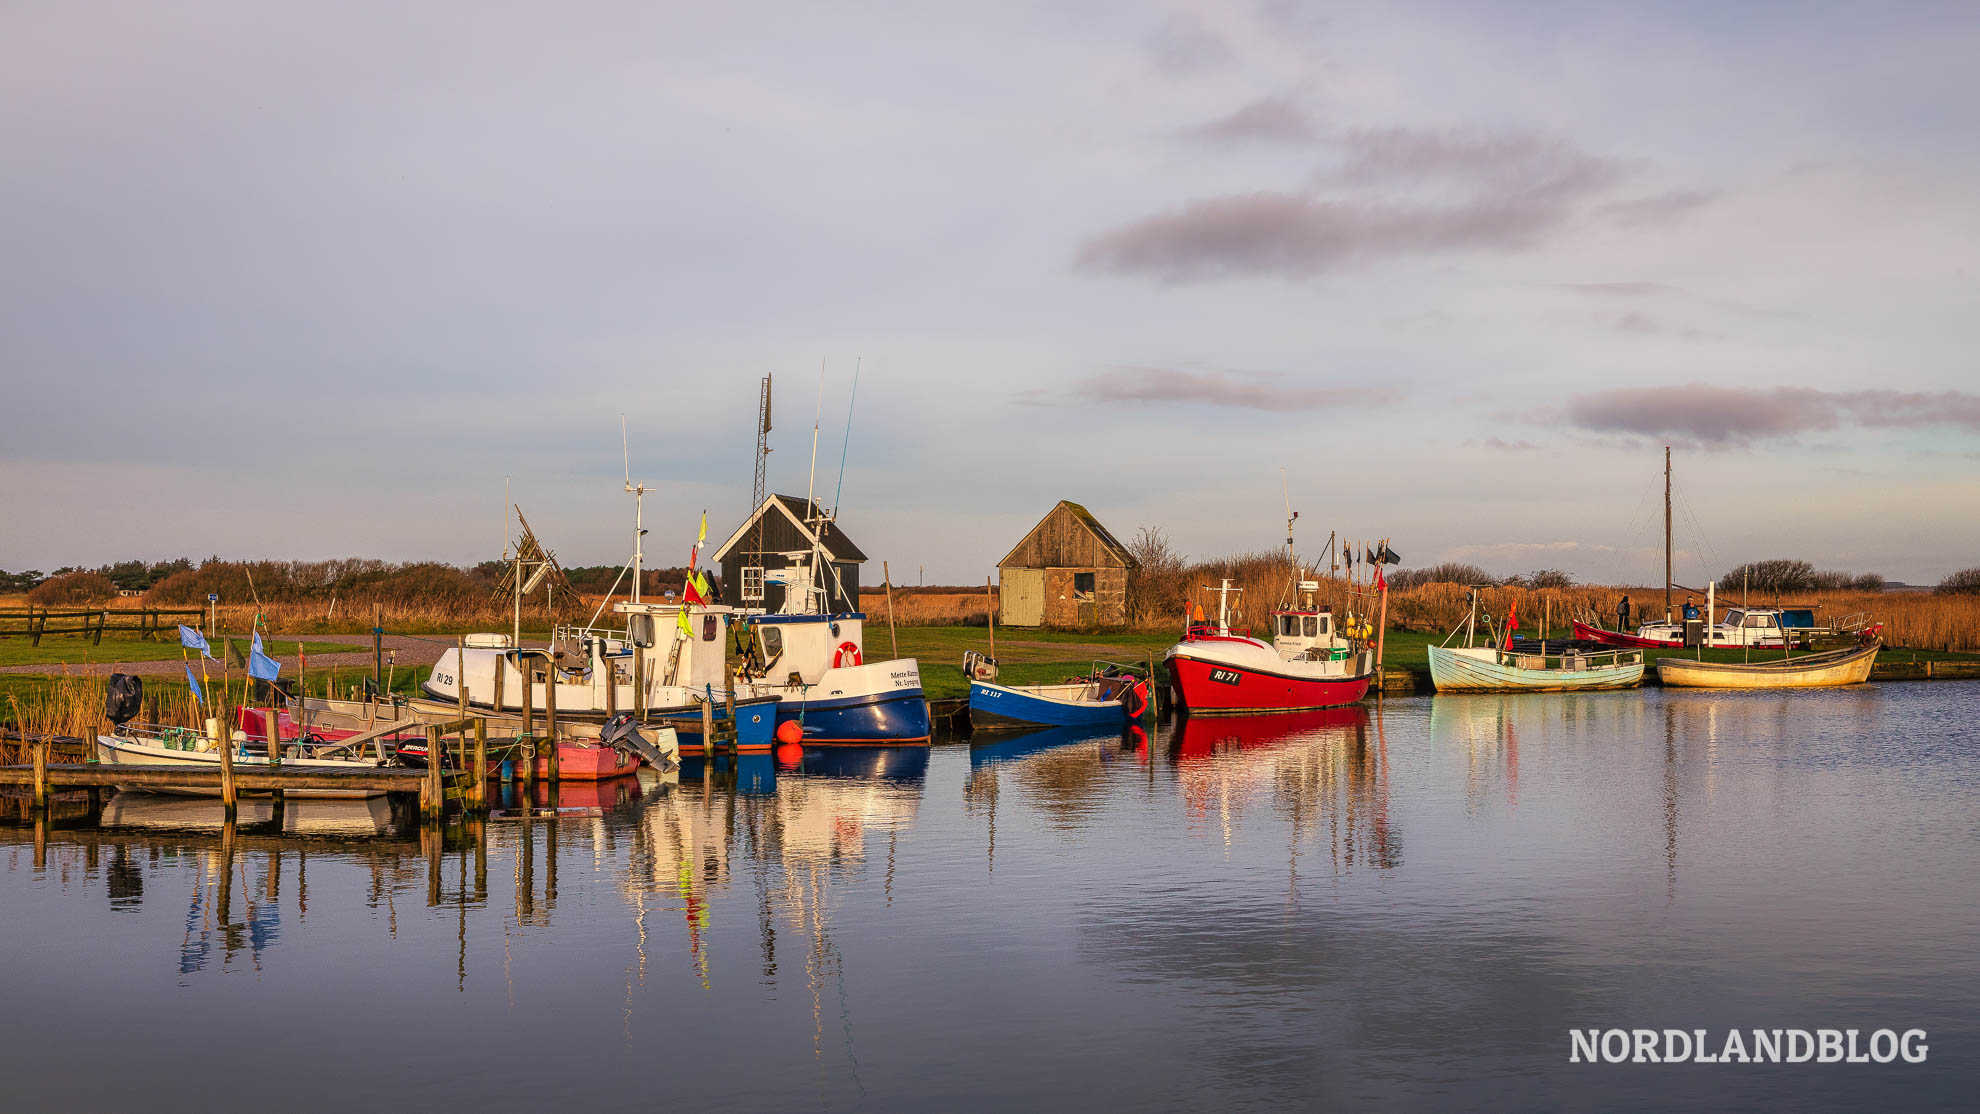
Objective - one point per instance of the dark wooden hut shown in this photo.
(779, 536)
(1067, 572)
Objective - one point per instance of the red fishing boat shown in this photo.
(1309, 663)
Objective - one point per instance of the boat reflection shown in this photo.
(300, 817)
(1326, 771)
(997, 748)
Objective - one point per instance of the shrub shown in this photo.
(1781, 574)
(73, 589)
(1450, 572)
(1965, 582)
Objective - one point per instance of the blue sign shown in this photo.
(212, 597)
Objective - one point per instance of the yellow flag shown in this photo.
(686, 629)
(704, 529)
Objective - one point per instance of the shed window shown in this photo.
(1083, 583)
(752, 582)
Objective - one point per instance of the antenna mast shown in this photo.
(762, 446)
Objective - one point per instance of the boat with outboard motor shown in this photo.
(1108, 695)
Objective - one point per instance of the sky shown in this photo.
(297, 280)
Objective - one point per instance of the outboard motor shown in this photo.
(123, 698)
(621, 733)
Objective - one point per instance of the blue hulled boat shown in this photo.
(1104, 699)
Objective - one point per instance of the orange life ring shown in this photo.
(846, 650)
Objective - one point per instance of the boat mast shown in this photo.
(811, 508)
(1667, 533)
(638, 492)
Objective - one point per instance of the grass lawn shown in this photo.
(75, 650)
(404, 681)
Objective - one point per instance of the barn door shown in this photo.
(1023, 597)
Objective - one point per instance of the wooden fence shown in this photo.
(147, 623)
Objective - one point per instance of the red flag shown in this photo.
(1381, 582)
(1512, 622)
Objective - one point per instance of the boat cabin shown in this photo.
(1307, 635)
(696, 657)
(798, 649)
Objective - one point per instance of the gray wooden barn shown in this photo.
(1069, 571)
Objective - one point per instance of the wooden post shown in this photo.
(228, 799)
(990, 598)
(477, 786)
(460, 673)
(1381, 628)
(273, 729)
(527, 758)
(41, 775)
(887, 578)
(433, 793)
(1154, 689)
(378, 650)
(708, 727)
(639, 676)
(611, 672)
(550, 716)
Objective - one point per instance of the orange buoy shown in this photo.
(789, 732)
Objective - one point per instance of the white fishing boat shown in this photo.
(1510, 666)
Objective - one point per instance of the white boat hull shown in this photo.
(111, 750)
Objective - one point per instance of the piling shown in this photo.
(708, 727)
(41, 776)
(432, 792)
(527, 753)
(228, 798)
(550, 717)
(477, 785)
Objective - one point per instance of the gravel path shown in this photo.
(411, 650)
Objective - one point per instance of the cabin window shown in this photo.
(772, 639)
(1312, 626)
(708, 631)
(1326, 625)
(1082, 584)
(752, 582)
(1288, 626)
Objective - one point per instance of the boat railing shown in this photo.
(1570, 659)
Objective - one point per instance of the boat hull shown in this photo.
(895, 718)
(1451, 671)
(1827, 670)
(1002, 706)
(129, 752)
(1219, 688)
(1608, 637)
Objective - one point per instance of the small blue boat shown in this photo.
(1102, 699)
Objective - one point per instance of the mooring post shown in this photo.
(433, 793)
(227, 796)
(477, 786)
(1154, 689)
(550, 717)
(708, 726)
(41, 775)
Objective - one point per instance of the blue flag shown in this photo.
(198, 696)
(191, 639)
(260, 666)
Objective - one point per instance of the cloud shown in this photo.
(1726, 417)
(1184, 47)
(1520, 445)
(1248, 390)
(1395, 193)
(1620, 289)
(1663, 208)
(1644, 325)
(1270, 120)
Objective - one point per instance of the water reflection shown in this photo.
(898, 927)
(1326, 772)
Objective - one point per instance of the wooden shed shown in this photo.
(1068, 572)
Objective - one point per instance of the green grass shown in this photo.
(75, 650)
(405, 681)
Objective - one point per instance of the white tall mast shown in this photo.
(638, 493)
(811, 484)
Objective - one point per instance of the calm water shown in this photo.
(1404, 907)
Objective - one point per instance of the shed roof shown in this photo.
(1084, 518)
(800, 512)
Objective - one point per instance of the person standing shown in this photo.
(1622, 614)
(1690, 610)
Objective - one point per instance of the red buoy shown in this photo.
(789, 732)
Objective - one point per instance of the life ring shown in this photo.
(846, 650)
(1135, 697)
